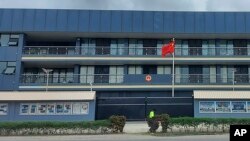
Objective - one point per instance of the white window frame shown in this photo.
(38, 112)
(30, 104)
(54, 113)
(207, 101)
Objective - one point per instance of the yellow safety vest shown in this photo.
(151, 114)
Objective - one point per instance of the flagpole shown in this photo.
(173, 76)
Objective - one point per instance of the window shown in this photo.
(149, 47)
(240, 47)
(7, 68)
(3, 108)
(134, 70)
(24, 109)
(149, 69)
(50, 108)
(195, 47)
(101, 74)
(239, 107)
(61, 108)
(248, 106)
(33, 108)
(207, 107)
(223, 107)
(103, 46)
(7, 40)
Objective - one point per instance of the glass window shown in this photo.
(51, 108)
(67, 108)
(42, 108)
(84, 108)
(24, 109)
(11, 64)
(59, 108)
(10, 70)
(223, 107)
(239, 107)
(76, 108)
(3, 108)
(2, 66)
(207, 107)
(33, 108)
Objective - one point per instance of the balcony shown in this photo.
(132, 51)
(135, 79)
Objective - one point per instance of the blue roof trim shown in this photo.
(113, 21)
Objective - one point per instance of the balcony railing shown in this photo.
(166, 79)
(133, 51)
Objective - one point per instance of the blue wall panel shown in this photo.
(17, 20)
(28, 20)
(229, 22)
(72, 20)
(189, 22)
(40, 18)
(62, 20)
(83, 22)
(116, 21)
(94, 21)
(179, 23)
(209, 22)
(6, 20)
(127, 21)
(148, 21)
(247, 22)
(219, 22)
(169, 22)
(105, 22)
(51, 16)
(137, 21)
(199, 22)
(158, 22)
(240, 23)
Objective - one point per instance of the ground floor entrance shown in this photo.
(136, 105)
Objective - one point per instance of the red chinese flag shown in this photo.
(167, 48)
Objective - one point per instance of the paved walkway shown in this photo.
(137, 127)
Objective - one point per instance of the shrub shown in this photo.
(165, 120)
(54, 124)
(117, 123)
(153, 124)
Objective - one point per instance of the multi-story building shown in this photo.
(90, 64)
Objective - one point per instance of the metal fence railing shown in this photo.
(133, 51)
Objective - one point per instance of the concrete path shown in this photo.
(137, 127)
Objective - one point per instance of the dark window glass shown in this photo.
(103, 46)
(149, 47)
(101, 74)
(195, 47)
(240, 47)
(241, 74)
(149, 69)
(195, 74)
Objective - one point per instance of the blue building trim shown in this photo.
(111, 21)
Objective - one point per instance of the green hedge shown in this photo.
(56, 125)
